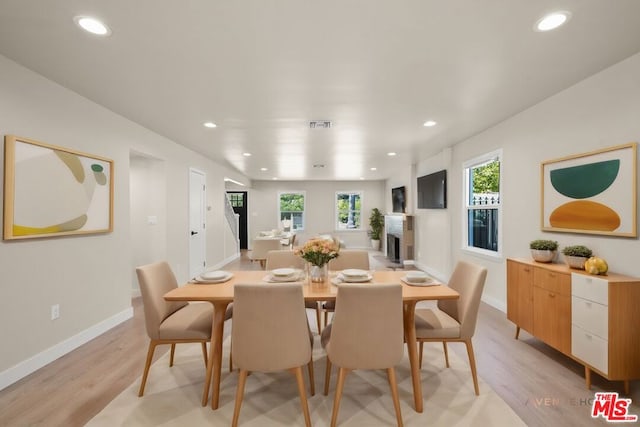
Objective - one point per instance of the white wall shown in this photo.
(89, 276)
(599, 112)
(319, 207)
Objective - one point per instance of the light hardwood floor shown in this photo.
(541, 385)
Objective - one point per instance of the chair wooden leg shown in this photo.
(242, 379)
(173, 352)
(147, 365)
(318, 320)
(312, 382)
(420, 354)
(342, 373)
(327, 377)
(204, 353)
(472, 363)
(446, 353)
(231, 356)
(391, 375)
(517, 331)
(303, 395)
(326, 318)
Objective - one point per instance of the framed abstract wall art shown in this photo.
(54, 191)
(592, 193)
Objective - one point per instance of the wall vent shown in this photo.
(319, 124)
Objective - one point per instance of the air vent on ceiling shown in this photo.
(320, 124)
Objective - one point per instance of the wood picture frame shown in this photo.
(591, 193)
(54, 191)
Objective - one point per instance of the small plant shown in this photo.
(376, 222)
(543, 245)
(577, 250)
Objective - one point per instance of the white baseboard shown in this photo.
(495, 303)
(224, 262)
(36, 362)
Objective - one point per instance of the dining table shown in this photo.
(221, 295)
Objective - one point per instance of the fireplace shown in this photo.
(393, 248)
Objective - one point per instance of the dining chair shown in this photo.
(366, 333)
(268, 340)
(454, 320)
(260, 248)
(170, 322)
(286, 258)
(348, 258)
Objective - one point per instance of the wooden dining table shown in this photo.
(221, 295)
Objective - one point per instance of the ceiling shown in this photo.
(261, 70)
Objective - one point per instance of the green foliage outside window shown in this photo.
(486, 178)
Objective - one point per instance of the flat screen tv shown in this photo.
(398, 199)
(432, 190)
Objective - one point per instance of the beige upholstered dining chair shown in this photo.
(366, 333)
(260, 248)
(267, 340)
(287, 258)
(170, 322)
(455, 320)
(348, 258)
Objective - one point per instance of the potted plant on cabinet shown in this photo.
(543, 250)
(376, 225)
(575, 256)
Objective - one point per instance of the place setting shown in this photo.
(212, 277)
(417, 278)
(284, 275)
(352, 275)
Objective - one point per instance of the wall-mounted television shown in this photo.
(432, 190)
(398, 199)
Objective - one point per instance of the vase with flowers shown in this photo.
(318, 252)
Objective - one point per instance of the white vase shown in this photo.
(318, 274)
(543, 255)
(375, 244)
(575, 261)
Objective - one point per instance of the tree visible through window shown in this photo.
(348, 211)
(292, 208)
(483, 202)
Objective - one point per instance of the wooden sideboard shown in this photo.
(592, 319)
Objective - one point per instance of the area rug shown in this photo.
(172, 396)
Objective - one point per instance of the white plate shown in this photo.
(355, 279)
(297, 276)
(355, 273)
(427, 282)
(214, 275)
(283, 272)
(202, 280)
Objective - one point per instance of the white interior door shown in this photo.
(197, 230)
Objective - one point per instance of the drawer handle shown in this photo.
(527, 270)
(588, 304)
(552, 295)
(588, 336)
(552, 275)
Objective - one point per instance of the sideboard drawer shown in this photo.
(590, 348)
(552, 281)
(591, 288)
(590, 316)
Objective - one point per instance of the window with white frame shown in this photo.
(348, 210)
(291, 207)
(483, 212)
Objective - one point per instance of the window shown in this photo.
(348, 211)
(236, 199)
(482, 204)
(292, 208)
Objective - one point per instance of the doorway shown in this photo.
(238, 200)
(197, 226)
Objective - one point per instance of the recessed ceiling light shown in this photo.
(264, 169)
(374, 169)
(552, 21)
(92, 25)
(391, 153)
(209, 125)
(362, 178)
(246, 154)
(275, 178)
(430, 123)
